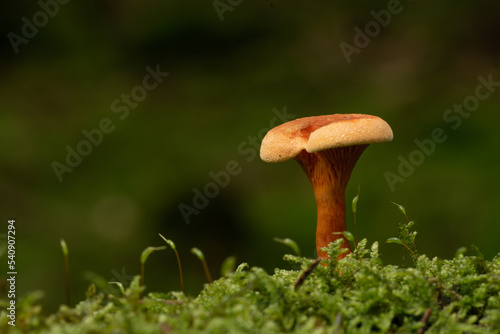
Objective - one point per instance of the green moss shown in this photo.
(355, 295)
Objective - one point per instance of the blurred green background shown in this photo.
(226, 78)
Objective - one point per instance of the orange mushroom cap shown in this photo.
(327, 148)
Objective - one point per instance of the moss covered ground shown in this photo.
(357, 294)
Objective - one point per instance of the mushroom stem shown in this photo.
(329, 172)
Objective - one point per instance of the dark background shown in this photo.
(226, 77)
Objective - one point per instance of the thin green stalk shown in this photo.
(354, 206)
(172, 245)
(144, 256)
(201, 257)
(407, 236)
(64, 248)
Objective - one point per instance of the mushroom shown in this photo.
(327, 148)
